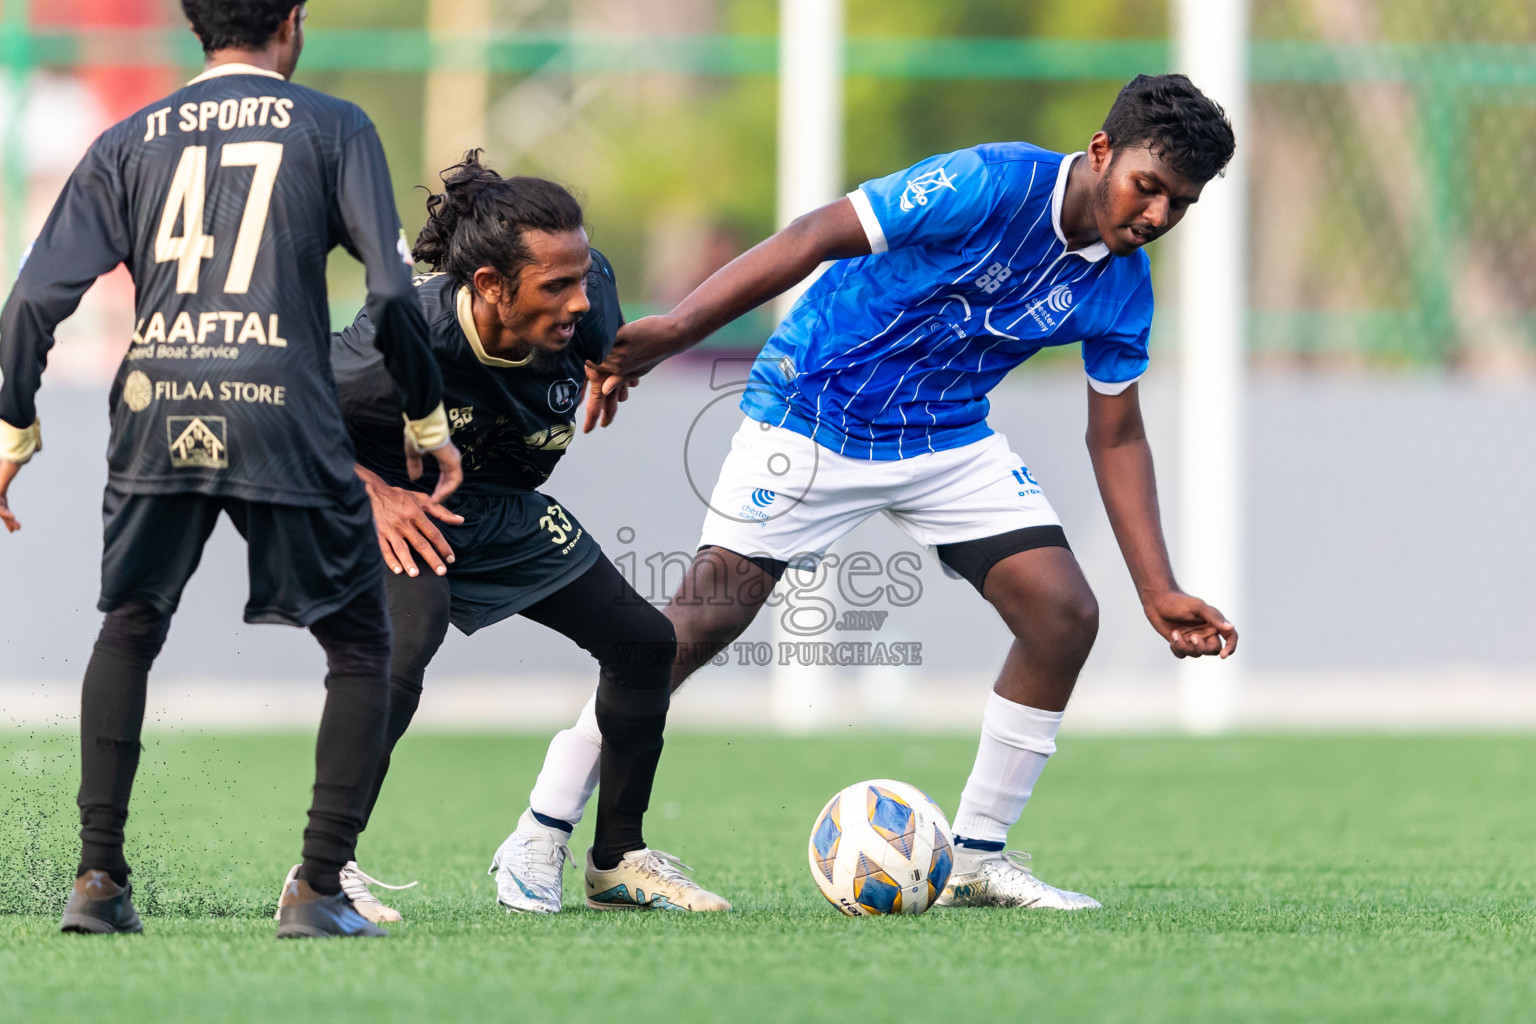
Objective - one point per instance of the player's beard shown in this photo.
(1101, 194)
(543, 359)
(534, 357)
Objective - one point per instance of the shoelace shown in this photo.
(355, 882)
(523, 853)
(668, 868)
(1020, 860)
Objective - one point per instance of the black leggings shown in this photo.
(356, 642)
(634, 645)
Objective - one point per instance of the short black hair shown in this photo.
(1177, 121)
(479, 218)
(236, 24)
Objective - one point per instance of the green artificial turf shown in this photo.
(1251, 878)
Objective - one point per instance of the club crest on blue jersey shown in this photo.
(918, 188)
(1053, 304)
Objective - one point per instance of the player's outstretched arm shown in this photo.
(1122, 462)
(762, 273)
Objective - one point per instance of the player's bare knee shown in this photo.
(1068, 615)
(1079, 615)
(719, 597)
(709, 625)
(1063, 622)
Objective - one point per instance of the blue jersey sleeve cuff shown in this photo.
(1116, 387)
(867, 219)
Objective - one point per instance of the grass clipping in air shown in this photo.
(1249, 878)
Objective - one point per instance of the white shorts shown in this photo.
(784, 496)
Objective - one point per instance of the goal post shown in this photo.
(1211, 47)
(810, 130)
(810, 174)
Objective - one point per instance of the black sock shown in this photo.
(418, 620)
(635, 646)
(632, 723)
(351, 740)
(403, 701)
(111, 720)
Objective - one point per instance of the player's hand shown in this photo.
(404, 526)
(602, 398)
(1192, 628)
(450, 471)
(640, 348)
(8, 471)
(450, 467)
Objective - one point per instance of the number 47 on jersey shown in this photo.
(187, 197)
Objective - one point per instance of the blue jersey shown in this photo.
(892, 355)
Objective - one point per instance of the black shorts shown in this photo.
(304, 563)
(511, 551)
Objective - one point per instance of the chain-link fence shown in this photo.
(1392, 218)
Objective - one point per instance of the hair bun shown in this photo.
(479, 218)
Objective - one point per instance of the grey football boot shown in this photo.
(99, 906)
(303, 913)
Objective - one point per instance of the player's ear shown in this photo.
(490, 285)
(1100, 152)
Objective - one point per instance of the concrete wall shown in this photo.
(1390, 550)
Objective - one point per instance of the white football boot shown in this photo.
(999, 879)
(648, 879)
(355, 884)
(530, 866)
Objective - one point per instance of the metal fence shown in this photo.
(1390, 220)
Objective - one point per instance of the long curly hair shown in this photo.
(479, 218)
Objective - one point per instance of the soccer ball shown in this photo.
(881, 847)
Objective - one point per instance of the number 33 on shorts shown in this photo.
(557, 523)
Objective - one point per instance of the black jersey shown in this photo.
(223, 199)
(511, 423)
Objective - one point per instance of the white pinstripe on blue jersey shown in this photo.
(893, 354)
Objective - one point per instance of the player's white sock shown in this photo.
(569, 775)
(1016, 741)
